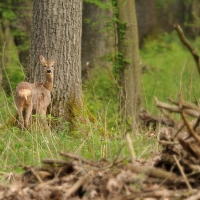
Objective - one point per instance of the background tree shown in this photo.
(146, 18)
(97, 34)
(130, 71)
(56, 34)
(14, 40)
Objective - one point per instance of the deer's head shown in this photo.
(48, 66)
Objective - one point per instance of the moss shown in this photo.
(77, 113)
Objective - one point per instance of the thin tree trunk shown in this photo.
(131, 72)
(56, 34)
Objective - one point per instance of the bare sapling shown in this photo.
(35, 96)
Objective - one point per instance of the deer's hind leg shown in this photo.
(21, 118)
(28, 114)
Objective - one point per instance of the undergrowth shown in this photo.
(168, 69)
(167, 65)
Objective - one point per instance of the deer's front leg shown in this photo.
(42, 113)
(28, 114)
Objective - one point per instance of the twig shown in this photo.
(196, 101)
(117, 156)
(36, 175)
(130, 146)
(152, 172)
(76, 157)
(185, 105)
(77, 185)
(47, 183)
(194, 197)
(178, 131)
(170, 120)
(187, 44)
(196, 123)
(167, 142)
(148, 118)
(190, 129)
(183, 174)
(53, 161)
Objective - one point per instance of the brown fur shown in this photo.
(35, 96)
(24, 93)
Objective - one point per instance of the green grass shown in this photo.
(171, 65)
(7, 107)
(19, 148)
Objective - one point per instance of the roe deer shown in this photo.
(35, 96)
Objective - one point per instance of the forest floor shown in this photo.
(172, 173)
(79, 178)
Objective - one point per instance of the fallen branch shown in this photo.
(36, 175)
(194, 197)
(152, 172)
(183, 174)
(76, 157)
(77, 185)
(185, 105)
(176, 109)
(190, 129)
(148, 118)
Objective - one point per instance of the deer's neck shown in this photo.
(48, 84)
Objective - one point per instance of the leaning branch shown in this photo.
(184, 40)
(176, 109)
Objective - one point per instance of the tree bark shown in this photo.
(56, 34)
(96, 38)
(131, 72)
(146, 17)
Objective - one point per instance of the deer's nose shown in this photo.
(48, 71)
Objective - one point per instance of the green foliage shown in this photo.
(11, 13)
(7, 108)
(117, 64)
(170, 66)
(100, 93)
(122, 29)
(11, 68)
(6, 10)
(99, 3)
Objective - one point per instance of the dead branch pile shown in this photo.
(79, 178)
(180, 140)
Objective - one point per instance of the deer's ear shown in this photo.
(42, 60)
(51, 63)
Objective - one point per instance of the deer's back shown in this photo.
(41, 97)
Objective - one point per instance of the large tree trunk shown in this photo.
(56, 33)
(131, 72)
